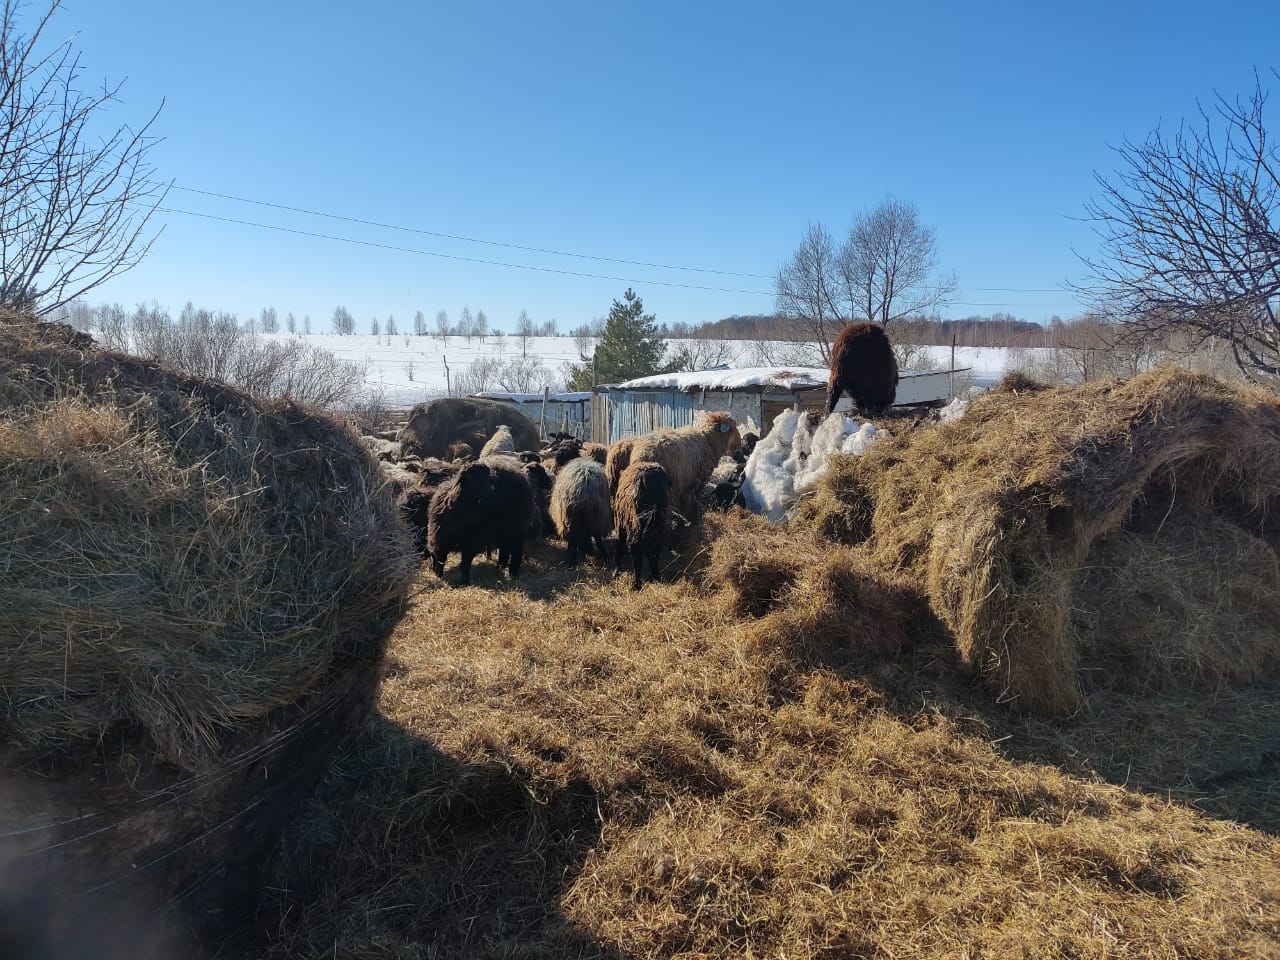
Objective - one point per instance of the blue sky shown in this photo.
(702, 135)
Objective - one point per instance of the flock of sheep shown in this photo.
(587, 495)
(515, 490)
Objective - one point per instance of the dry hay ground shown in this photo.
(778, 756)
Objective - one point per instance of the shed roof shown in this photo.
(563, 397)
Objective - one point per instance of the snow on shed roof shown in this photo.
(745, 378)
(753, 379)
(571, 397)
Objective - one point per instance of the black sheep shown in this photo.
(487, 505)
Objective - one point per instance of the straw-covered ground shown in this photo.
(855, 736)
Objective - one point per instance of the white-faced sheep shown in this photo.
(642, 511)
(488, 504)
(689, 455)
(500, 442)
(581, 509)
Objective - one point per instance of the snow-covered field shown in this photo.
(407, 369)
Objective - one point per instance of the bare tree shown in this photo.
(524, 330)
(306, 324)
(268, 322)
(390, 328)
(809, 289)
(291, 323)
(419, 325)
(888, 265)
(481, 325)
(74, 203)
(442, 324)
(1190, 227)
(374, 328)
(343, 322)
(466, 324)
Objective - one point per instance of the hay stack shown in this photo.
(1130, 527)
(195, 594)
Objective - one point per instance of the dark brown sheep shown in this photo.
(863, 365)
(642, 511)
(488, 504)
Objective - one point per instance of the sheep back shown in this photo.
(580, 503)
(863, 365)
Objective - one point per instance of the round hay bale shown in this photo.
(197, 591)
(1027, 516)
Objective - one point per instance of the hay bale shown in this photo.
(1036, 503)
(197, 591)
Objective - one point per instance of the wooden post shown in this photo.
(951, 388)
(546, 394)
(448, 388)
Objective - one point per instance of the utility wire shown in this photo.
(450, 256)
(451, 236)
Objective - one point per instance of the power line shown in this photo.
(451, 236)
(450, 256)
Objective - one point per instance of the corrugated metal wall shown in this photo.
(634, 413)
(572, 416)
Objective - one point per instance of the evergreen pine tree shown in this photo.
(630, 346)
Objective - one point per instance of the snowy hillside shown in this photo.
(407, 369)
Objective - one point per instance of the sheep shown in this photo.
(724, 490)
(500, 442)
(862, 363)
(488, 504)
(596, 451)
(415, 500)
(581, 508)
(689, 455)
(460, 452)
(643, 513)
(540, 482)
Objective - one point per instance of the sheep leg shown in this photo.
(437, 564)
(637, 562)
(833, 397)
(655, 555)
(573, 551)
(603, 549)
(465, 568)
(622, 551)
(517, 554)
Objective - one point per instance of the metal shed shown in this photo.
(552, 412)
(761, 393)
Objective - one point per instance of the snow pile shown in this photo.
(789, 461)
(954, 410)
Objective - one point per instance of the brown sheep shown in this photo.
(581, 508)
(643, 514)
(863, 364)
(689, 455)
(597, 452)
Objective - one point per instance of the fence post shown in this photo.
(448, 388)
(546, 393)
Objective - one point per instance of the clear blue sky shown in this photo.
(692, 134)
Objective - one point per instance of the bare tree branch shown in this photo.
(74, 207)
(1191, 229)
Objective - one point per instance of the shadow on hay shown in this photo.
(1216, 748)
(405, 851)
